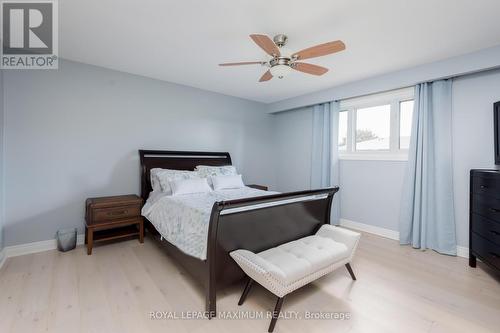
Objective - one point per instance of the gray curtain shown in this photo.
(427, 218)
(325, 152)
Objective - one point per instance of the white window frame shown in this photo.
(392, 98)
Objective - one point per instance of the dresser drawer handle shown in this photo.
(121, 212)
(494, 210)
(495, 232)
(482, 187)
(495, 255)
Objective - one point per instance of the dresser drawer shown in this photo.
(487, 186)
(486, 250)
(486, 228)
(486, 206)
(115, 213)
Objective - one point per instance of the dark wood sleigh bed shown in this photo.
(255, 224)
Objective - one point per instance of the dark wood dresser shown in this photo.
(484, 225)
(108, 218)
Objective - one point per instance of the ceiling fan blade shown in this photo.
(266, 77)
(266, 44)
(320, 50)
(242, 63)
(309, 68)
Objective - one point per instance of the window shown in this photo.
(373, 128)
(376, 126)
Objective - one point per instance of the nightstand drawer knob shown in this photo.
(120, 212)
(494, 210)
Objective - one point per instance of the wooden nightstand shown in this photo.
(115, 217)
(258, 187)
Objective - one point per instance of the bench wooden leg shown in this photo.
(276, 313)
(246, 291)
(349, 268)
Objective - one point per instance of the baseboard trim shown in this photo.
(462, 251)
(35, 247)
(387, 233)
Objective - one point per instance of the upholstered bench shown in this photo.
(287, 267)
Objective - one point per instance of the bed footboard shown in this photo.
(257, 224)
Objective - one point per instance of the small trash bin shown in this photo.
(66, 239)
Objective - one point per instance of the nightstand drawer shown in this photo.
(114, 213)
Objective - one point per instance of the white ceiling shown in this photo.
(183, 41)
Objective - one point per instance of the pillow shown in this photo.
(153, 176)
(206, 171)
(227, 182)
(189, 186)
(166, 176)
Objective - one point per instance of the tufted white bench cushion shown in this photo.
(287, 267)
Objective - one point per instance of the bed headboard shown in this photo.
(178, 160)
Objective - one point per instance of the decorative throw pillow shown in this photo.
(227, 182)
(190, 186)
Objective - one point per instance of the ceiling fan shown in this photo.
(282, 62)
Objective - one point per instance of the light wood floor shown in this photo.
(399, 289)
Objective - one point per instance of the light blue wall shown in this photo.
(371, 189)
(74, 133)
(292, 144)
(371, 192)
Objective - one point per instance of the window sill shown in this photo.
(374, 157)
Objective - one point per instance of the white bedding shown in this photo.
(183, 220)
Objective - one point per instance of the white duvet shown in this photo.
(183, 220)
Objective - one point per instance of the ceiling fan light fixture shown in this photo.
(280, 71)
(282, 62)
